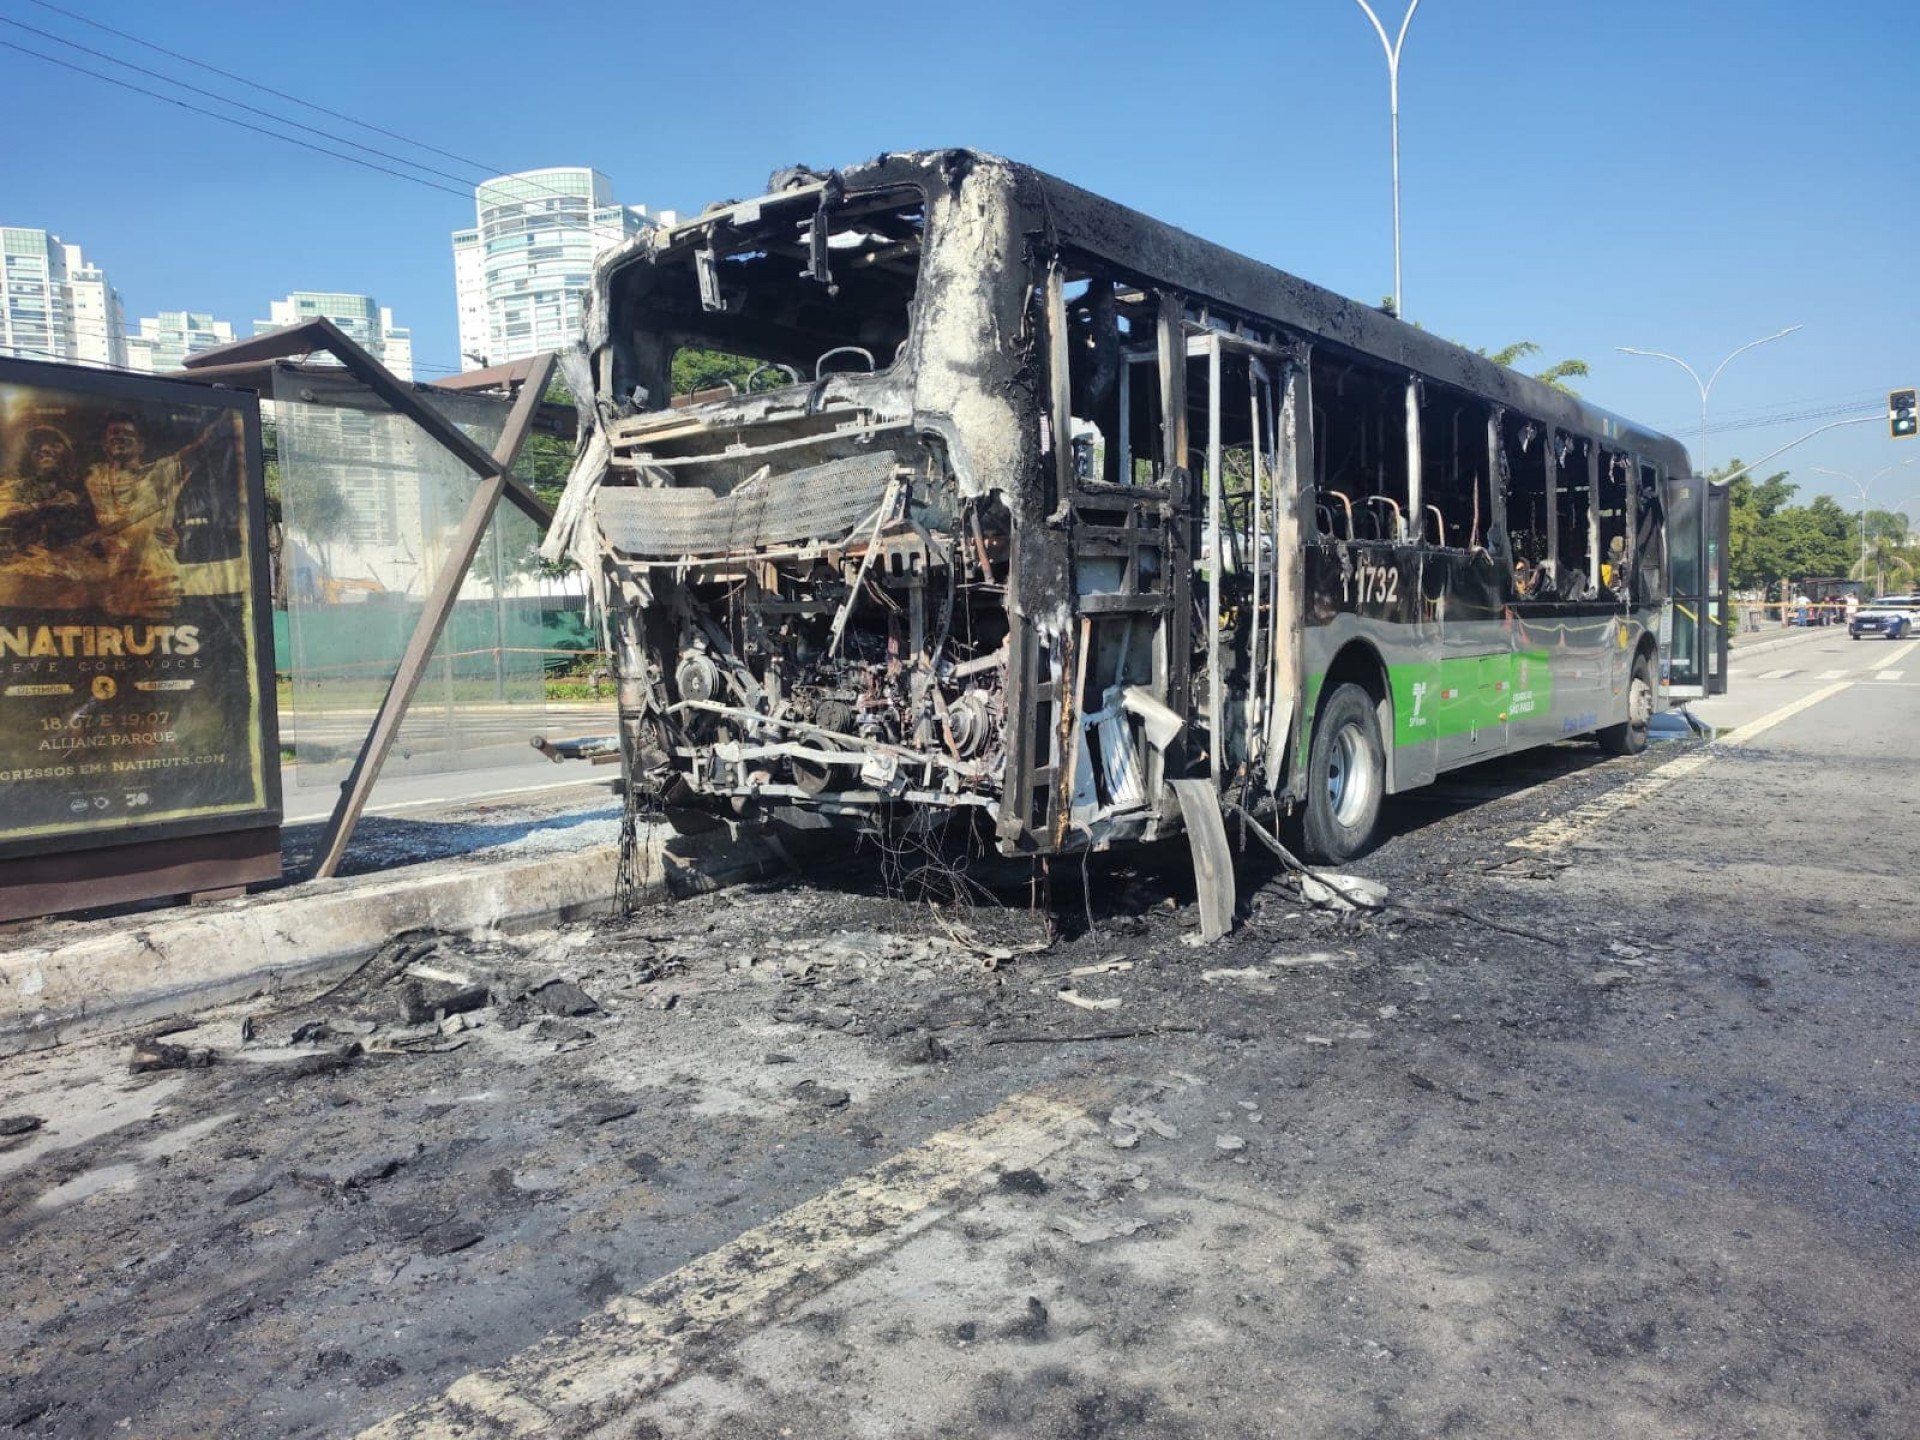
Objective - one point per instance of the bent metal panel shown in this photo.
(134, 673)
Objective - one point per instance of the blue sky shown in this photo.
(1675, 176)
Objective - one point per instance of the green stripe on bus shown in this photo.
(1456, 696)
(1463, 694)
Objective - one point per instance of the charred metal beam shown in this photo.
(491, 377)
(358, 785)
(323, 334)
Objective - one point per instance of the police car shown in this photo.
(1894, 616)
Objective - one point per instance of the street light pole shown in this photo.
(1393, 49)
(1706, 387)
(1862, 491)
(1905, 510)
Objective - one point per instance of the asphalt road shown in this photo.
(485, 753)
(1606, 1128)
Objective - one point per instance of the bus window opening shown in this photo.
(1574, 567)
(1523, 456)
(1360, 451)
(1454, 502)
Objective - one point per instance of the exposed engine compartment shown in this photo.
(771, 662)
(810, 602)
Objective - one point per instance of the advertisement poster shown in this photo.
(133, 682)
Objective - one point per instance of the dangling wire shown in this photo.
(627, 878)
(633, 872)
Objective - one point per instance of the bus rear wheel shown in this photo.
(1629, 737)
(1346, 777)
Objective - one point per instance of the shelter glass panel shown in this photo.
(370, 504)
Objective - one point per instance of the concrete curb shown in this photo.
(131, 971)
(1774, 642)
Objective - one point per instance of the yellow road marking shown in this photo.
(1742, 734)
(638, 1343)
(1896, 655)
(1565, 829)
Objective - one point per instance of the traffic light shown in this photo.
(1902, 420)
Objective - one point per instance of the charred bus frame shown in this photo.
(1040, 508)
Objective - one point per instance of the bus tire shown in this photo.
(1346, 778)
(1629, 737)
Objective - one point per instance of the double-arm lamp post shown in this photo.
(1706, 386)
(1861, 490)
(1906, 510)
(1393, 49)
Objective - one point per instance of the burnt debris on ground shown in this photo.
(335, 1205)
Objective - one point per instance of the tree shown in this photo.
(1555, 375)
(1811, 539)
(1752, 555)
(316, 511)
(1770, 540)
(696, 370)
(1886, 560)
(1889, 523)
(1510, 357)
(546, 459)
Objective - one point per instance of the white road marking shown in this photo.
(1566, 829)
(1888, 674)
(1830, 674)
(444, 801)
(1776, 674)
(638, 1343)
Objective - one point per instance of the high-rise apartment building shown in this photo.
(163, 342)
(55, 304)
(360, 317)
(470, 290)
(99, 322)
(522, 271)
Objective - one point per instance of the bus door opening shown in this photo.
(1233, 404)
(1119, 729)
(1716, 535)
(1686, 618)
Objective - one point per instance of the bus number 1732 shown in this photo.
(1376, 584)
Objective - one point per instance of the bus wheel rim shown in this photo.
(1639, 703)
(1350, 775)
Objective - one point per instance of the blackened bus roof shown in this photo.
(1153, 249)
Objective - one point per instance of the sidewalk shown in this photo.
(1774, 637)
(467, 869)
(507, 861)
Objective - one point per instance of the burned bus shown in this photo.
(1028, 508)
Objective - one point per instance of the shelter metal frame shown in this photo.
(249, 364)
